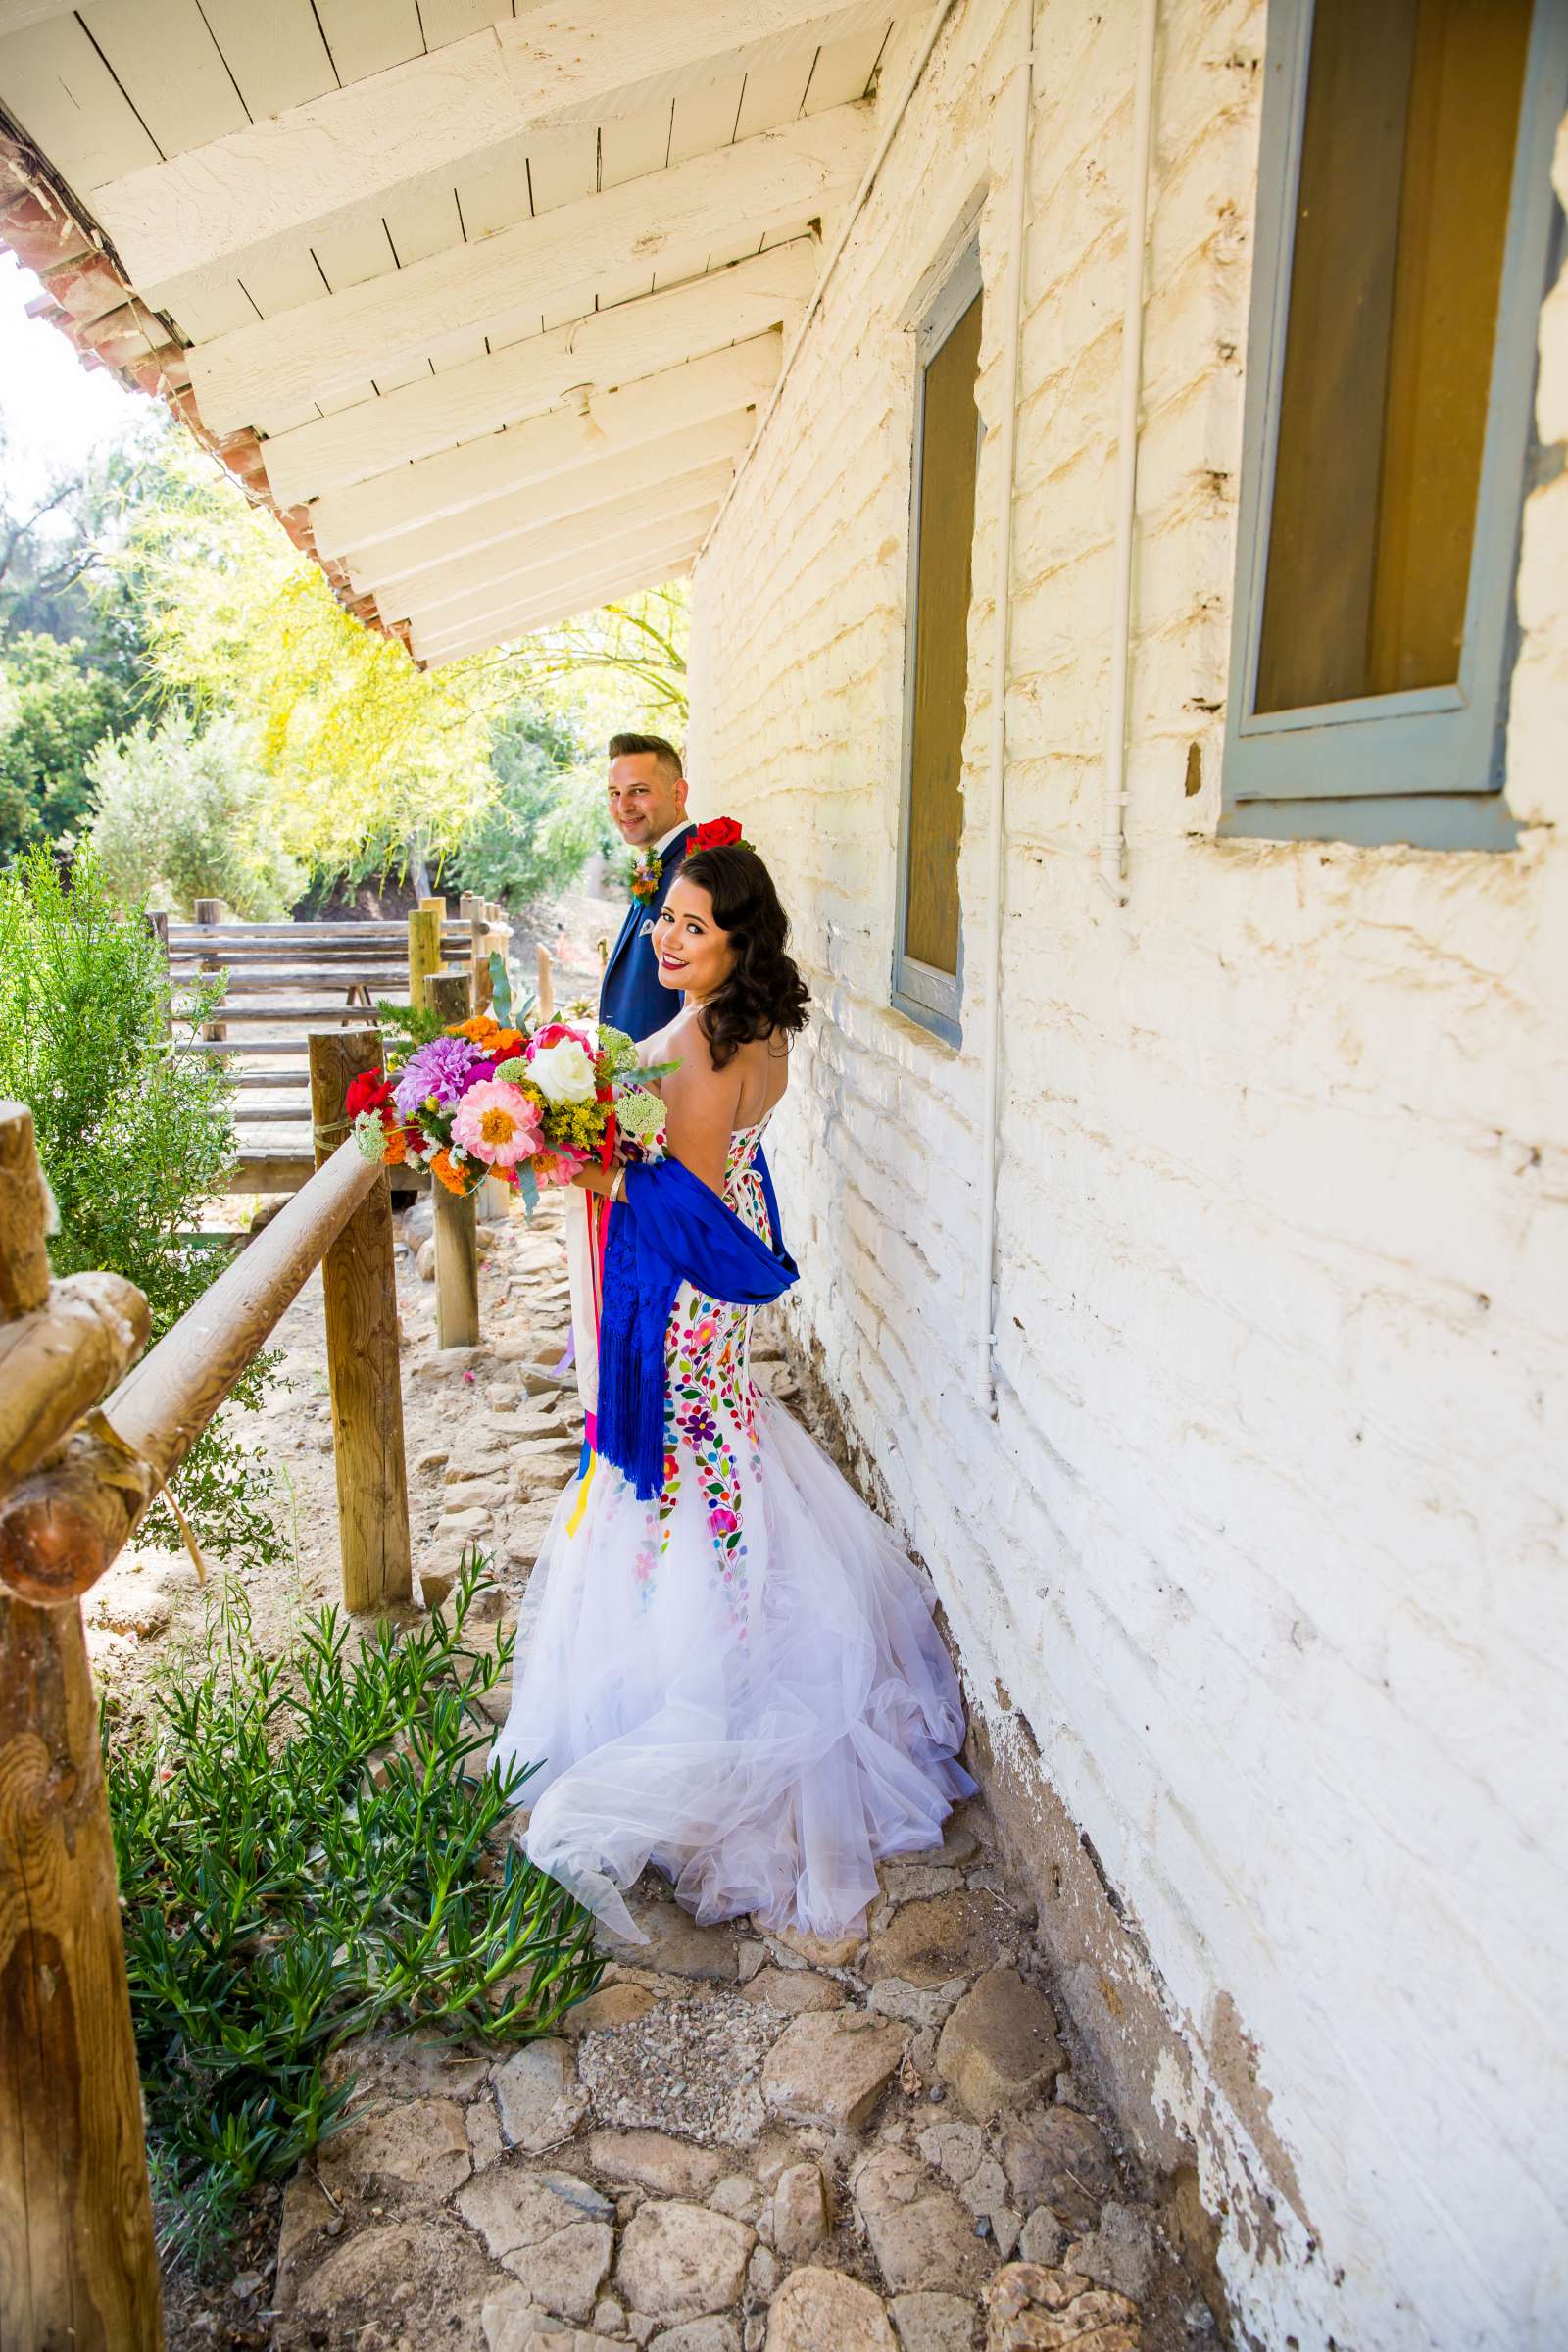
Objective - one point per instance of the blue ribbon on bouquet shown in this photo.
(670, 1229)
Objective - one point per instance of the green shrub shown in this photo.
(308, 1848)
(136, 1137)
(179, 815)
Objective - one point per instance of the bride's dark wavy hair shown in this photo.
(764, 990)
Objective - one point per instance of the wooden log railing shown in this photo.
(78, 2261)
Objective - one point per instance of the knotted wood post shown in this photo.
(79, 2266)
(209, 913)
(360, 1282)
(424, 952)
(457, 1221)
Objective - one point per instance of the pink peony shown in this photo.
(558, 1163)
(497, 1123)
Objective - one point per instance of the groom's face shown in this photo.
(646, 802)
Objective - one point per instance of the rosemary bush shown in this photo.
(136, 1137)
(307, 1849)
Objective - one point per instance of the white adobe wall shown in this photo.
(1264, 1548)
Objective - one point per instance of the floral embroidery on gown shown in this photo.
(738, 1680)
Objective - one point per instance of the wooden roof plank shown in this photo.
(603, 348)
(368, 37)
(411, 497)
(454, 19)
(167, 62)
(571, 597)
(671, 219)
(402, 566)
(276, 55)
(843, 66)
(607, 560)
(445, 595)
(773, 93)
(59, 90)
(20, 16)
(579, 65)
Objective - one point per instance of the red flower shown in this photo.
(720, 833)
(551, 1034)
(370, 1091)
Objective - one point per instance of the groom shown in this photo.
(648, 809)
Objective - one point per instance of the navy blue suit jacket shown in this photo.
(631, 995)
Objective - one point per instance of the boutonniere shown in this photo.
(644, 874)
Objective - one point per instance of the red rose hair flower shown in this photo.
(720, 833)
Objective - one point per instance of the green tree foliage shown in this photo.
(56, 706)
(181, 815)
(622, 666)
(546, 820)
(135, 1133)
(360, 747)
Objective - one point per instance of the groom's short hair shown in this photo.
(622, 747)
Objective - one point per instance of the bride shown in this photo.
(730, 1670)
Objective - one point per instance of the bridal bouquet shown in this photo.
(530, 1107)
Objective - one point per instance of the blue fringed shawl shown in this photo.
(670, 1229)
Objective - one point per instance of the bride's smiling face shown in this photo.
(693, 953)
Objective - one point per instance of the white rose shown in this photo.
(563, 1072)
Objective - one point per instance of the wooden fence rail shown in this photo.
(78, 2261)
(284, 979)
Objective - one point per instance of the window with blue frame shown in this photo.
(1406, 227)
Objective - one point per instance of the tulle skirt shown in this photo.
(762, 1718)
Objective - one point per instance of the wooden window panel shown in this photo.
(929, 953)
(1401, 218)
(1406, 230)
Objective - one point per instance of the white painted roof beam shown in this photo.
(603, 349)
(556, 574)
(571, 597)
(397, 570)
(340, 158)
(435, 597)
(666, 222)
(351, 522)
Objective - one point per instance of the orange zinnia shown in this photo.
(444, 1172)
(480, 1028)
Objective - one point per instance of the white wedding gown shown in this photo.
(737, 1681)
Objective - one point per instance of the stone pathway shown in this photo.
(741, 2142)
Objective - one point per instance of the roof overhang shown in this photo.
(486, 312)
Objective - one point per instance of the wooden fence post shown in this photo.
(545, 983)
(157, 929)
(209, 913)
(360, 1281)
(78, 2264)
(457, 1221)
(473, 912)
(425, 952)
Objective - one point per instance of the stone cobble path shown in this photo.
(743, 2141)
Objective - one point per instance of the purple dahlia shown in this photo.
(442, 1069)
